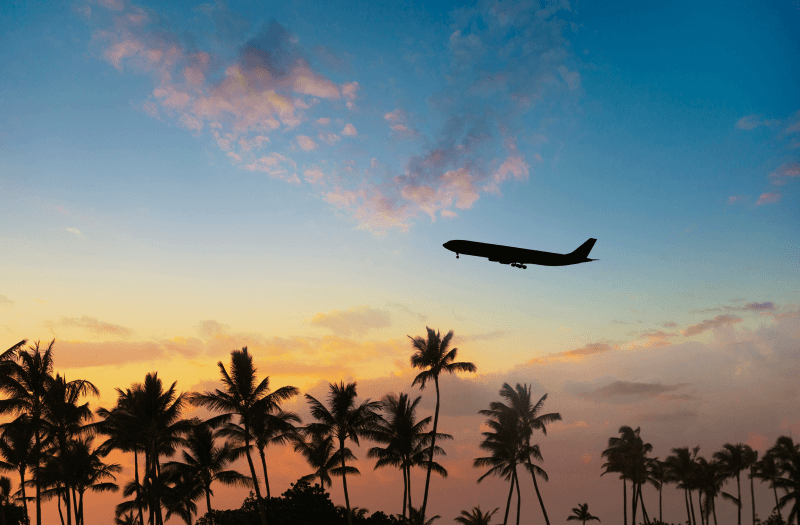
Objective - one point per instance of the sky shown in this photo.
(183, 179)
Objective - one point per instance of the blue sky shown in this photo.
(262, 164)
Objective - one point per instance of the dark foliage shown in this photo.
(15, 514)
(302, 504)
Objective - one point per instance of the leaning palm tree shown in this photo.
(344, 420)
(434, 358)
(582, 513)
(243, 396)
(521, 402)
(733, 459)
(206, 462)
(476, 517)
(26, 383)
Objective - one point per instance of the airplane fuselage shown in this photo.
(520, 256)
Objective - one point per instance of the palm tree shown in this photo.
(127, 519)
(89, 472)
(204, 461)
(476, 517)
(751, 460)
(243, 397)
(503, 443)
(17, 448)
(26, 384)
(320, 454)
(404, 438)
(787, 455)
(521, 402)
(416, 517)
(344, 421)
(272, 426)
(710, 478)
(681, 468)
(63, 419)
(766, 469)
(626, 455)
(5, 497)
(433, 357)
(733, 459)
(182, 487)
(582, 513)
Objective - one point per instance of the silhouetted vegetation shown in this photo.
(57, 447)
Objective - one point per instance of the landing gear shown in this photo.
(456, 256)
(518, 265)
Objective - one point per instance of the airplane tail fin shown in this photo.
(584, 249)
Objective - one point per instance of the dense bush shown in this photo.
(302, 504)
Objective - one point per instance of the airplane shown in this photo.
(519, 257)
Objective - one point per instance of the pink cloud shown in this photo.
(324, 121)
(306, 143)
(314, 175)
(513, 165)
(349, 90)
(710, 324)
(733, 199)
(753, 121)
(786, 171)
(328, 137)
(349, 130)
(768, 198)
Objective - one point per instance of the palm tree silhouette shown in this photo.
(17, 448)
(582, 513)
(733, 459)
(26, 384)
(89, 472)
(710, 479)
(751, 460)
(320, 454)
(5, 497)
(243, 396)
(657, 478)
(206, 462)
(404, 438)
(475, 517)
(344, 421)
(432, 356)
(766, 469)
(787, 456)
(625, 455)
(521, 402)
(681, 469)
(503, 443)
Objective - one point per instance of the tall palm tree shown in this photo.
(17, 447)
(626, 455)
(243, 396)
(26, 383)
(433, 357)
(475, 517)
(710, 479)
(751, 460)
(521, 402)
(617, 462)
(271, 426)
(89, 472)
(787, 455)
(733, 459)
(206, 462)
(344, 420)
(658, 471)
(582, 513)
(503, 444)
(404, 438)
(766, 469)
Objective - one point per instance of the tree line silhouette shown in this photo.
(50, 444)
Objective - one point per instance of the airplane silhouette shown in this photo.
(519, 257)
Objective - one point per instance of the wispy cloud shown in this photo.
(5, 301)
(358, 320)
(96, 327)
(768, 198)
(710, 324)
(753, 121)
(74, 231)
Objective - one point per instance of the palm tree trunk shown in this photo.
(408, 468)
(739, 506)
(433, 447)
(774, 488)
(633, 503)
(264, 466)
(624, 500)
(38, 486)
(519, 495)
(714, 509)
(344, 482)
(405, 491)
(136, 479)
(752, 496)
(60, 514)
(81, 507)
(510, 493)
(644, 511)
(25, 499)
(536, 487)
(208, 503)
(75, 505)
(686, 500)
(691, 504)
(660, 516)
(253, 473)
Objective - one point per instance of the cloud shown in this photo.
(405, 309)
(81, 354)
(328, 137)
(74, 231)
(96, 327)
(349, 130)
(5, 301)
(710, 324)
(768, 198)
(358, 320)
(625, 391)
(753, 121)
(733, 199)
(487, 336)
(785, 172)
(306, 143)
(313, 175)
